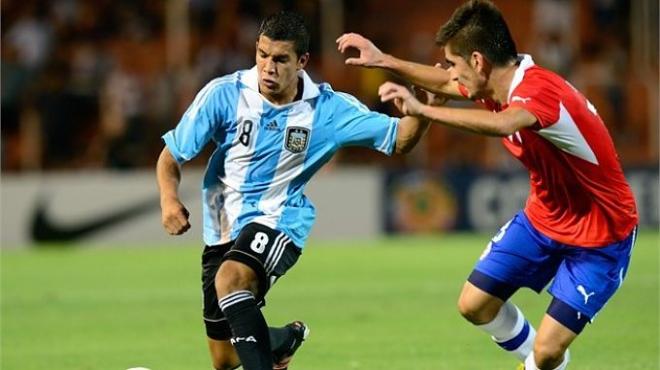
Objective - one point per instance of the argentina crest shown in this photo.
(296, 139)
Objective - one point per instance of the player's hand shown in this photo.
(370, 55)
(429, 98)
(174, 216)
(402, 98)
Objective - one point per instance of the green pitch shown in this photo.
(372, 306)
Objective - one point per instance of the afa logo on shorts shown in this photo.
(297, 139)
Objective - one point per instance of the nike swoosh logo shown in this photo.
(45, 230)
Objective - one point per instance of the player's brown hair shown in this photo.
(287, 26)
(479, 26)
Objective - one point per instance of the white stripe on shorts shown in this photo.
(275, 254)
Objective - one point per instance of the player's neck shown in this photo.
(500, 82)
(289, 96)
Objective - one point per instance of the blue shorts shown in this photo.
(584, 278)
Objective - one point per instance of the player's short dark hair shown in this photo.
(479, 26)
(287, 26)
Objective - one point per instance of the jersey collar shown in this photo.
(310, 89)
(525, 62)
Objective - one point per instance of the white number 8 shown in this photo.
(259, 243)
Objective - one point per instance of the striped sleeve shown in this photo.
(356, 125)
(202, 119)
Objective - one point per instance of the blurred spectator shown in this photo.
(610, 15)
(31, 35)
(90, 83)
(555, 53)
(555, 36)
(600, 72)
(122, 133)
(14, 79)
(67, 119)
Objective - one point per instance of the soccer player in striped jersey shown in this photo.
(579, 224)
(273, 129)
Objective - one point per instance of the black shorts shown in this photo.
(270, 253)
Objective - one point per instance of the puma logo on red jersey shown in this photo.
(518, 98)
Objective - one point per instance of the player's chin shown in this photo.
(271, 88)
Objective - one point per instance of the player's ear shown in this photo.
(478, 62)
(475, 60)
(302, 61)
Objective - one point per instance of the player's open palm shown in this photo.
(370, 55)
(174, 216)
(402, 98)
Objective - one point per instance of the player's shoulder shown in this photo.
(546, 85)
(537, 77)
(325, 90)
(340, 98)
(539, 85)
(227, 82)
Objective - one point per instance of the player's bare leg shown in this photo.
(236, 285)
(550, 346)
(503, 321)
(477, 306)
(223, 355)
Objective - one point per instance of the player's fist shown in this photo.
(370, 55)
(174, 216)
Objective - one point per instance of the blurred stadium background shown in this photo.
(89, 86)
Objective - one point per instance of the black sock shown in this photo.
(281, 340)
(249, 330)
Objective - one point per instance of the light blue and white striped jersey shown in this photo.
(266, 154)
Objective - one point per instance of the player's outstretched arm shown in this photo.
(410, 130)
(174, 214)
(478, 121)
(431, 78)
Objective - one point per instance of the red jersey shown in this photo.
(579, 195)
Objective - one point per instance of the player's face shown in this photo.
(278, 66)
(466, 73)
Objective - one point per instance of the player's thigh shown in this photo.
(517, 256)
(235, 276)
(268, 252)
(589, 277)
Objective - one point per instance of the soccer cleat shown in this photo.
(300, 333)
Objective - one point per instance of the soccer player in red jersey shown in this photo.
(578, 226)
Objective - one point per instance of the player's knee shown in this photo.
(548, 353)
(472, 312)
(476, 306)
(233, 276)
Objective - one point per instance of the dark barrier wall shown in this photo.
(473, 199)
